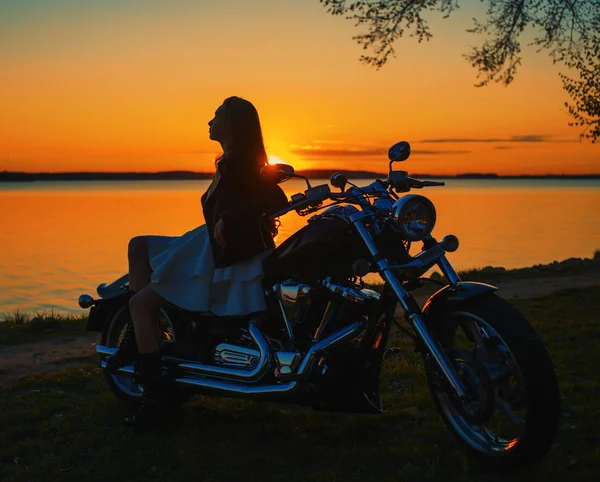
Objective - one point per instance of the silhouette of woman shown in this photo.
(216, 267)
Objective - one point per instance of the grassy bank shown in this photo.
(19, 327)
(68, 426)
(567, 267)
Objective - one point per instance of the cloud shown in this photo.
(313, 152)
(526, 138)
(427, 152)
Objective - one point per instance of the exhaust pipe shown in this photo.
(240, 387)
(124, 370)
(105, 350)
(195, 368)
(233, 389)
(225, 372)
(222, 386)
(227, 388)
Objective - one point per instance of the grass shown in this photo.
(68, 426)
(570, 267)
(19, 327)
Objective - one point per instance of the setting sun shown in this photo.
(276, 160)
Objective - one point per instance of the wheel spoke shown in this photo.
(505, 407)
(476, 333)
(474, 330)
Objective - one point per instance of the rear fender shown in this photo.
(103, 310)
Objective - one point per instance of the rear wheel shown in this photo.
(510, 415)
(123, 382)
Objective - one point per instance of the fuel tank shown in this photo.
(326, 246)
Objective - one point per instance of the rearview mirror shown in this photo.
(339, 181)
(399, 152)
(277, 173)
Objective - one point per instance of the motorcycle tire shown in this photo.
(125, 386)
(511, 415)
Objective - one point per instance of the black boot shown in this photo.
(155, 391)
(126, 353)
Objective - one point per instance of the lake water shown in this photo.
(61, 239)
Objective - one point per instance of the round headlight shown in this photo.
(414, 216)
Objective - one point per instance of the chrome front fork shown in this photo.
(407, 303)
(448, 270)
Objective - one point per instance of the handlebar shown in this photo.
(314, 197)
(415, 183)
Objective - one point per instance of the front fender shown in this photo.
(450, 296)
(447, 299)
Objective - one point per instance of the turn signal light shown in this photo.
(361, 267)
(450, 243)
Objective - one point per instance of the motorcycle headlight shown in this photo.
(414, 216)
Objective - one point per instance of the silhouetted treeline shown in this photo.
(8, 176)
(102, 176)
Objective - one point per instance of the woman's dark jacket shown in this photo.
(240, 197)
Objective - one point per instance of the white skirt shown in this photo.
(184, 274)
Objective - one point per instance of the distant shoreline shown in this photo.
(14, 176)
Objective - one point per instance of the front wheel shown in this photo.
(510, 415)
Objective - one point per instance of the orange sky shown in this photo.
(126, 85)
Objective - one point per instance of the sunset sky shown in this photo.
(126, 85)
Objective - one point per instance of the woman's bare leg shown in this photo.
(139, 277)
(139, 263)
(145, 312)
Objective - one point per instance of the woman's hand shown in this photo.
(220, 233)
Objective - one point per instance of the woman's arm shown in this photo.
(252, 202)
(219, 233)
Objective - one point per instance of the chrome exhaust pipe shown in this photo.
(240, 387)
(228, 388)
(233, 388)
(105, 350)
(222, 386)
(197, 368)
(327, 342)
(194, 368)
(124, 370)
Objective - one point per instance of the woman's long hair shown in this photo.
(247, 139)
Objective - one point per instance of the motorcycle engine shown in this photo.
(318, 310)
(312, 311)
(235, 356)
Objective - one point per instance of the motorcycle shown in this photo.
(324, 336)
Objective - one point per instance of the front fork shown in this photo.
(410, 306)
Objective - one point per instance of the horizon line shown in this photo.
(15, 176)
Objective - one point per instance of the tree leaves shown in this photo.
(568, 30)
(585, 91)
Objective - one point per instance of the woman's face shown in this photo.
(218, 128)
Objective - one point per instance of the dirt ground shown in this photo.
(17, 362)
